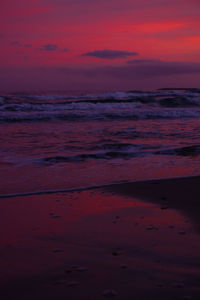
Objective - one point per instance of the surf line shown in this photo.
(78, 189)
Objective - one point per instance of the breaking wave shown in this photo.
(192, 150)
(167, 104)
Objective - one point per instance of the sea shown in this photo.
(72, 140)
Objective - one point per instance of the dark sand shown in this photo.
(140, 240)
(182, 194)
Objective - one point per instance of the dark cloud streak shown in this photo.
(19, 44)
(27, 45)
(15, 43)
(110, 54)
(137, 69)
(162, 68)
(143, 61)
(49, 47)
(52, 48)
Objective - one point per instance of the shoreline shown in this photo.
(80, 189)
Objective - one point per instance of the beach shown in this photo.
(135, 240)
(100, 150)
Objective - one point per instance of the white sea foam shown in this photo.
(104, 113)
(118, 95)
(169, 104)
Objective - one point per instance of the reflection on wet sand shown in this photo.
(102, 243)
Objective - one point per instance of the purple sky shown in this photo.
(110, 44)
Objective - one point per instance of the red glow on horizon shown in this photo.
(157, 31)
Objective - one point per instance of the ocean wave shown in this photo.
(180, 102)
(192, 150)
(88, 156)
(131, 105)
(100, 115)
(117, 95)
(2, 100)
(114, 146)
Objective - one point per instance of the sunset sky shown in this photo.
(107, 44)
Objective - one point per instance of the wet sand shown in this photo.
(128, 241)
(182, 194)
